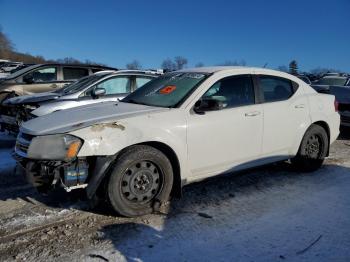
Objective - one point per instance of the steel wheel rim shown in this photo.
(141, 182)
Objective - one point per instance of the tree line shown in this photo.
(8, 52)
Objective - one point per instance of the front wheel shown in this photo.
(313, 149)
(141, 176)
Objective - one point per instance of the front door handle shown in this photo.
(300, 106)
(255, 113)
(54, 86)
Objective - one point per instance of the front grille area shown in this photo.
(22, 144)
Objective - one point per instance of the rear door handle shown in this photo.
(300, 106)
(255, 113)
(54, 86)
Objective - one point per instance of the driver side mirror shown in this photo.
(207, 104)
(98, 92)
(28, 79)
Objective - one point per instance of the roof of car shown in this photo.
(133, 72)
(216, 69)
(78, 65)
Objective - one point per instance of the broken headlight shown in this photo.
(54, 147)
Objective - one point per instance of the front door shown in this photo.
(221, 140)
(44, 79)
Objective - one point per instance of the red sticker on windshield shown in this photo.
(167, 90)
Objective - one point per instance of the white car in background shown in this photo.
(182, 127)
(102, 86)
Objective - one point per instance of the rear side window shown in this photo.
(140, 81)
(233, 91)
(276, 88)
(71, 73)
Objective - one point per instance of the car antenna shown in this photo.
(265, 65)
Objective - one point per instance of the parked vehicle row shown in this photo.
(176, 129)
(100, 87)
(37, 79)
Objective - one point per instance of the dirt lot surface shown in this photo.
(268, 214)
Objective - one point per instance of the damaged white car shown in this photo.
(182, 127)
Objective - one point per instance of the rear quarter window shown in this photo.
(72, 73)
(276, 88)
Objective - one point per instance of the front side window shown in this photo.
(47, 74)
(169, 90)
(116, 85)
(276, 88)
(232, 91)
(71, 73)
(140, 81)
(81, 84)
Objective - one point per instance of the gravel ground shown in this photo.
(267, 214)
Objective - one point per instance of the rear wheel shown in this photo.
(313, 149)
(141, 176)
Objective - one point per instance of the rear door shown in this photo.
(286, 114)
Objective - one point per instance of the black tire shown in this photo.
(141, 176)
(313, 149)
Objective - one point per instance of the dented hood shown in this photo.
(32, 99)
(76, 118)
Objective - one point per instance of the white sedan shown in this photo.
(182, 127)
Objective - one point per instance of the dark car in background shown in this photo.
(339, 86)
(305, 79)
(43, 78)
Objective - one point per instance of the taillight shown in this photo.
(336, 105)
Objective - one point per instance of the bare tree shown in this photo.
(168, 64)
(6, 46)
(180, 62)
(134, 65)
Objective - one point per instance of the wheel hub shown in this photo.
(313, 147)
(141, 182)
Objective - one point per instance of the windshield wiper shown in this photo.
(132, 101)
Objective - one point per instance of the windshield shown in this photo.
(22, 71)
(168, 90)
(332, 81)
(81, 84)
